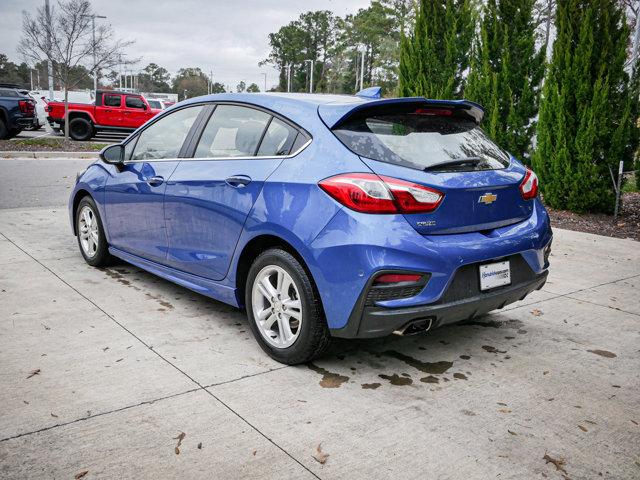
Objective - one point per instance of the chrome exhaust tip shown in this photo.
(415, 327)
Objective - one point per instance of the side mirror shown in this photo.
(113, 154)
(144, 107)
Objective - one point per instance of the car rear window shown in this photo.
(7, 92)
(424, 138)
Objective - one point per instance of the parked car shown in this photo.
(321, 215)
(112, 111)
(17, 112)
(155, 103)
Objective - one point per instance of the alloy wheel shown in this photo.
(276, 305)
(88, 231)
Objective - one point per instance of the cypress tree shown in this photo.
(506, 73)
(585, 123)
(435, 55)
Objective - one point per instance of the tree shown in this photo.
(311, 37)
(217, 87)
(253, 88)
(435, 55)
(64, 37)
(585, 124)
(192, 80)
(506, 73)
(154, 79)
(12, 73)
(241, 87)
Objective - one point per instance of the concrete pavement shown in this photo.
(102, 370)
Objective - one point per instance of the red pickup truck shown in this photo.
(115, 111)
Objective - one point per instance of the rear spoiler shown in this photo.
(334, 114)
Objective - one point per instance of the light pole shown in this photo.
(49, 66)
(311, 78)
(362, 68)
(265, 81)
(120, 71)
(288, 67)
(93, 29)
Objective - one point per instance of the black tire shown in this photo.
(4, 131)
(80, 129)
(314, 337)
(14, 132)
(101, 257)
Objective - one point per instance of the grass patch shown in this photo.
(49, 144)
(630, 185)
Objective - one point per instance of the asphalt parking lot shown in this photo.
(120, 374)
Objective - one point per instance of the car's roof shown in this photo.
(331, 108)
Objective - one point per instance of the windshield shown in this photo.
(154, 103)
(423, 139)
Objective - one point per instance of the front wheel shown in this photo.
(91, 237)
(284, 310)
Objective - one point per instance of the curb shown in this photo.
(29, 154)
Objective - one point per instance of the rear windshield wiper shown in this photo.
(455, 161)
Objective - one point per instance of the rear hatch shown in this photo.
(441, 146)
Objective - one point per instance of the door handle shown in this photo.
(238, 181)
(155, 181)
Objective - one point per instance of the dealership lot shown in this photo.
(103, 370)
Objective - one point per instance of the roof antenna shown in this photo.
(371, 92)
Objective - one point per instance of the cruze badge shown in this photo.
(487, 198)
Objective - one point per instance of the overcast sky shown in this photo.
(228, 37)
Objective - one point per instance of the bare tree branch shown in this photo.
(64, 37)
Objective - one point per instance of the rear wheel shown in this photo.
(284, 310)
(80, 129)
(4, 132)
(91, 237)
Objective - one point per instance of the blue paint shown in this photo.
(193, 227)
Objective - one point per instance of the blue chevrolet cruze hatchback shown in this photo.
(322, 215)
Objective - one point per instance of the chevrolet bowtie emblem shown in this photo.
(487, 198)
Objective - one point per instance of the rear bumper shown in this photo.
(370, 322)
(24, 122)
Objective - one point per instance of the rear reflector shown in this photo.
(370, 193)
(529, 185)
(390, 278)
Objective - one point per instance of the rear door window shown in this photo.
(232, 131)
(111, 100)
(422, 139)
(134, 102)
(278, 139)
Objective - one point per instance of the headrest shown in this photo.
(248, 136)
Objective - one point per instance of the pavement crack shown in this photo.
(257, 430)
(101, 414)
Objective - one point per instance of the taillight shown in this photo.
(47, 109)
(370, 193)
(26, 106)
(529, 185)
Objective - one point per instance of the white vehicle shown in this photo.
(41, 115)
(155, 103)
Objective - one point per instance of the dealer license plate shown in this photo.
(495, 275)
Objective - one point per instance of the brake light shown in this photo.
(437, 112)
(26, 106)
(391, 278)
(370, 193)
(47, 108)
(529, 185)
